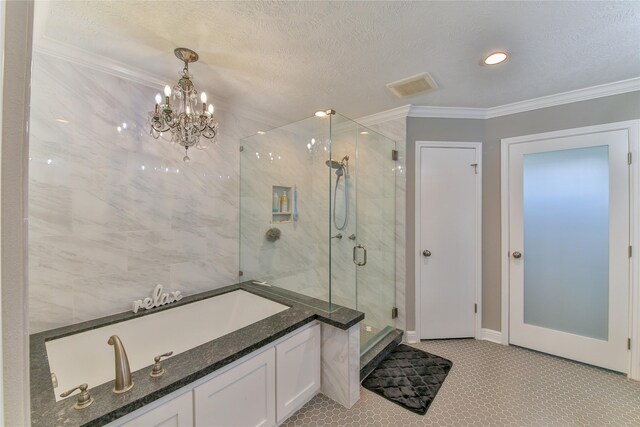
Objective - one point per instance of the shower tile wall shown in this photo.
(112, 214)
(343, 270)
(397, 130)
(299, 260)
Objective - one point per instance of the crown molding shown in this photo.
(75, 55)
(385, 116)
(448, 112)
(584, 94)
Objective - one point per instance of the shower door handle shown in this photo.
(355, 261)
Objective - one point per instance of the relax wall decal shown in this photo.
(157, 299)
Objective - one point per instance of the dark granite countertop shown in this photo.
(181, 369)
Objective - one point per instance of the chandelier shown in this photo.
(182, 115)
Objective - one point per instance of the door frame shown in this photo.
(418, 216)
(633, 129)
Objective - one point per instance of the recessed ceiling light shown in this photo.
(321, 113)
(62, 121)
(495, 58)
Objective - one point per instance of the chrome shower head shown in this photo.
(333, 164)
(340, 166)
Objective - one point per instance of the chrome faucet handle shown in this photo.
(84, 398)
(158, 370)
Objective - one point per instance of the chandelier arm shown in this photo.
(159, 126)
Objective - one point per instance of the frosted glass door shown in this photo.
(566, 239)
(569, 219)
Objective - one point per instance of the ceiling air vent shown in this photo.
(412, 85)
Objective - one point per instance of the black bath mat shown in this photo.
(409, 377)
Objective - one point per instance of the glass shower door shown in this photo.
(362, 226)
(374, 252)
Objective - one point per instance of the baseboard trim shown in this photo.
(490, 335)
(412, 337)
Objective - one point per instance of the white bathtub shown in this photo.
(87, 358)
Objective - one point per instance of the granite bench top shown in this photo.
(181, 369)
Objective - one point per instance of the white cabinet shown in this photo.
(177, 412)
(261, 389)
(298, 371)
(243, 396)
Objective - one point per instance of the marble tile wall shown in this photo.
(340, 360)
(293, 157)
(343, 270)
(112, 213)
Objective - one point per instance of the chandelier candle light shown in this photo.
(183, 117)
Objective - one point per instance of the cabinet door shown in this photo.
(241, 397)
(174, 413)
(298, 371)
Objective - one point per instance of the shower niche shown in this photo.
(340, 177)
(281, 204)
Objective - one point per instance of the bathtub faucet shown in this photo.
(123, 373)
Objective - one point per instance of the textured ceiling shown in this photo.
(293, 58)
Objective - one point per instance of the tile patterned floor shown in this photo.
(494, 385)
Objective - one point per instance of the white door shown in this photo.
(449, 203)
(569, 246)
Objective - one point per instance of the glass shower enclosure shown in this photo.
(317, 216)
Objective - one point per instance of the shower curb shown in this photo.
(372, 358)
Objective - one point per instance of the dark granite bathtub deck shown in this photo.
(182, 369)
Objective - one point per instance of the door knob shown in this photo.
(426, 252)
(517, 254)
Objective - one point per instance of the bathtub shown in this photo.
(87, 358)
